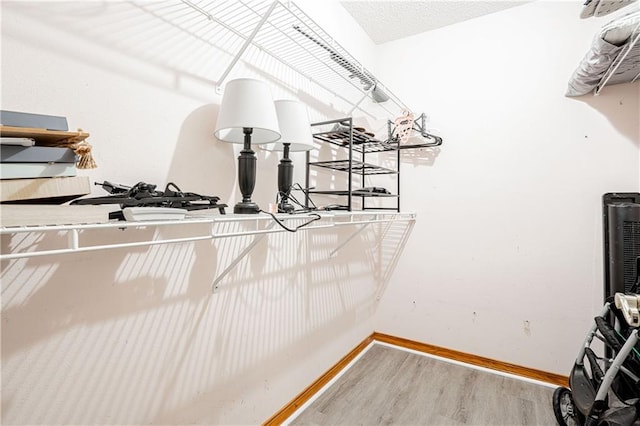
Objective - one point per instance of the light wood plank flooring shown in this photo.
(388, 386)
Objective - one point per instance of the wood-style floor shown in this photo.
(388, 386)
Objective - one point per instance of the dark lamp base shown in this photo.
(246, 208)
(284, 207)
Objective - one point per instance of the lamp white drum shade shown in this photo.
(247, 103)
(294, 127)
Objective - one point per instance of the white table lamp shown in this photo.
(296, 136)
(247, 115)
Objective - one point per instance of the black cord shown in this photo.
(286, 228)
(306, 193)
(295, 201)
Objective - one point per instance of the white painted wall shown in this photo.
(505, 260)
(508, 228)
(135, 336)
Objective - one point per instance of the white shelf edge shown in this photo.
(334, 219)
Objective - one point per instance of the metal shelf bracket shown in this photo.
(351, 237)
(257, 238)
(245, 45)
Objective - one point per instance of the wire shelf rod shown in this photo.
(11, 256)
(199, 9)
(195, 220)
(277, 56)
(275, 37)
(311, 62)
(246, 44)
(189, 28)
(75, 247)
(633, 44)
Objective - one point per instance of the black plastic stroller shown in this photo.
(605, 388)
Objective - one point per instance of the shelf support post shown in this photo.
(355, 106)
(245, 45)
(216, 283)
(74, 239)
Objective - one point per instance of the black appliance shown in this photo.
(621, 224)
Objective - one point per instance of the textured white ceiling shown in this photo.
(390, 20)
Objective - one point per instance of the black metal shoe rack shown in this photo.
(355, 143)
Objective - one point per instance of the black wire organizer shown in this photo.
(354, 166)
(356, 144)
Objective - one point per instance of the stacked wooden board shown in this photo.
(38, 170)
(44, 172)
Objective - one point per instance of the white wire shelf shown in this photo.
(252, 225)
(285, 33)
(211, 41)
(626, 67)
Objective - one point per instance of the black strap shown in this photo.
(609, 334)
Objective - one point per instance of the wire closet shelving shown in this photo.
(286, 34)
(626, 67)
